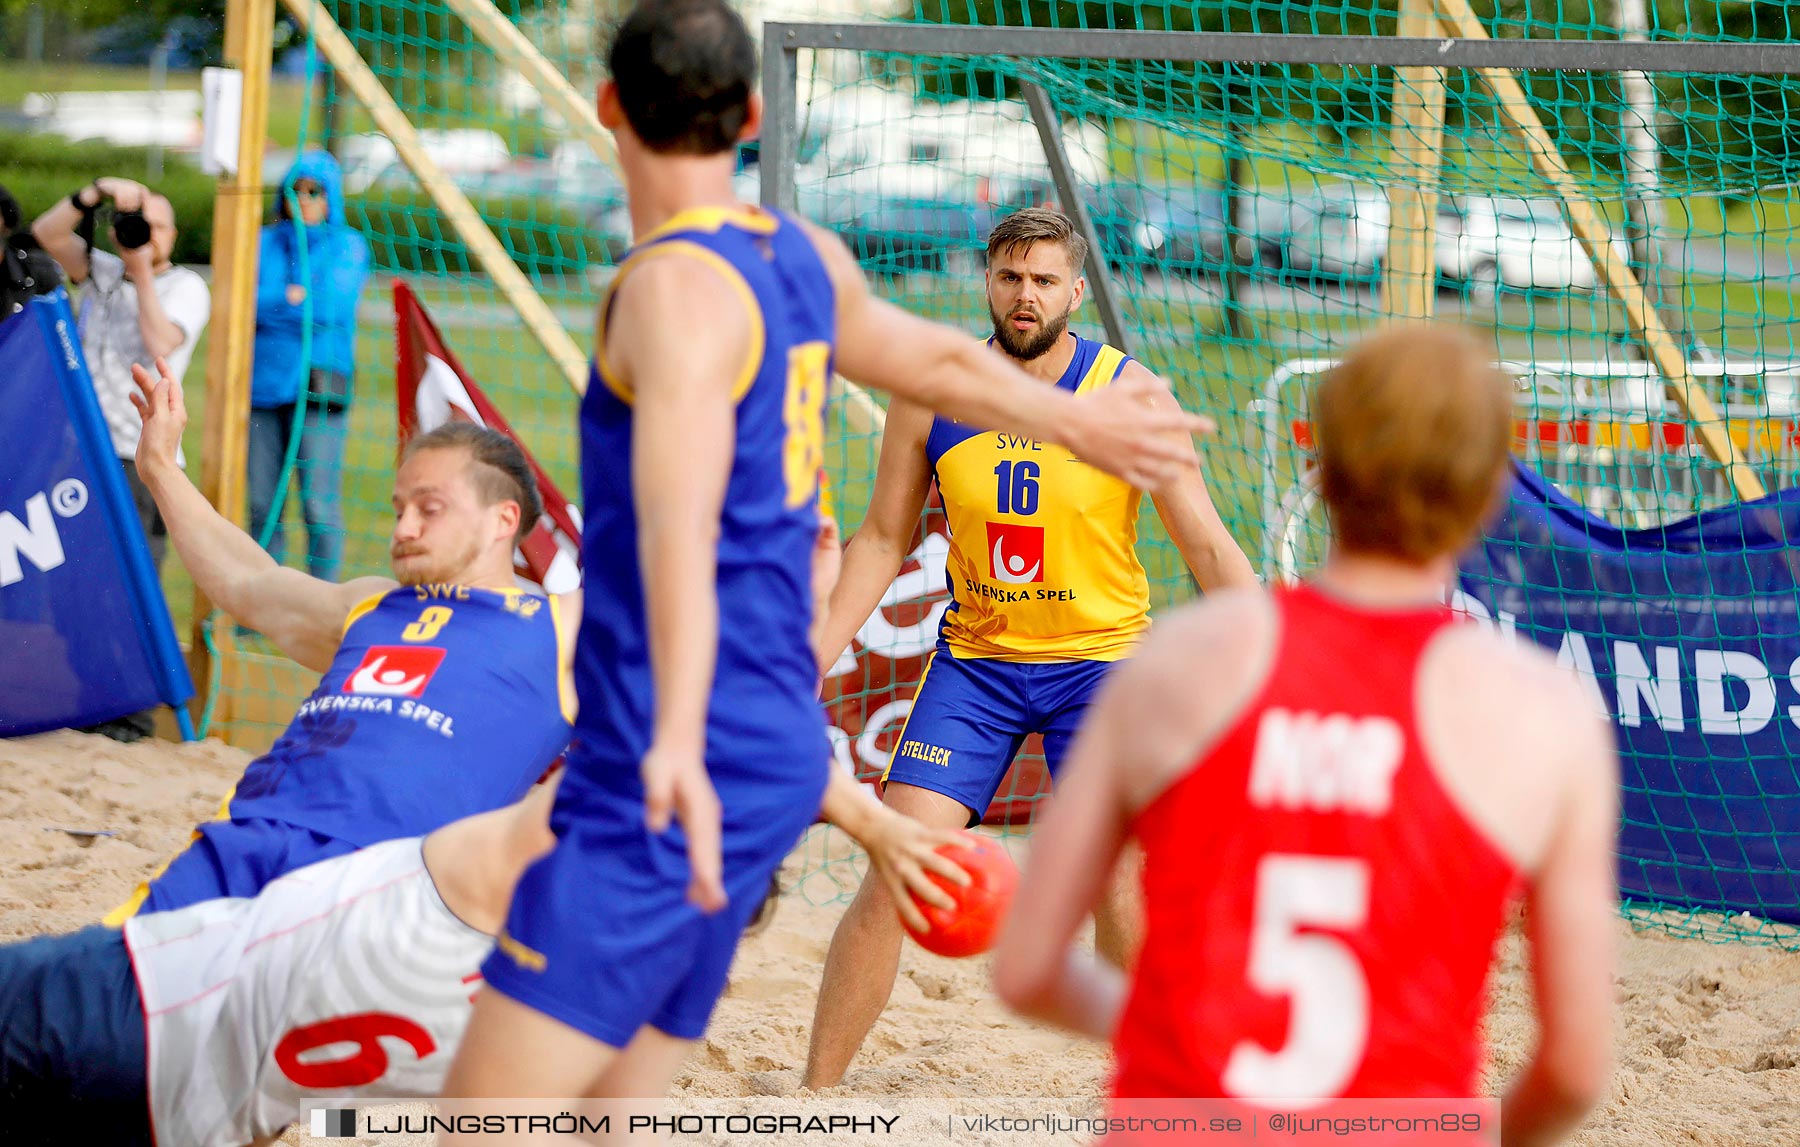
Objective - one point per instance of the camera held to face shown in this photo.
(130, 229)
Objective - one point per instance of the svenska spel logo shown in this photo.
(334, 1123)
(1015, 553)
(395, 670)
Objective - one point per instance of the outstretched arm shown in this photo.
(1119, 429)
(302, 615)
(1188, 513)
(875, 554)
(1571, 908)
(902, 850)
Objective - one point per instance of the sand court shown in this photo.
(1708, 1035)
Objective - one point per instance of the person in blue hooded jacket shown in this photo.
(325, 279)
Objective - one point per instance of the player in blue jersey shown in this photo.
(444, 691)
(700, 751)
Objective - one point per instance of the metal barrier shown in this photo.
(1603, 432)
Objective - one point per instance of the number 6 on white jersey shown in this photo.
(1328, 1014)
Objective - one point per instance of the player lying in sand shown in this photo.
(444, 691)
(317, 986)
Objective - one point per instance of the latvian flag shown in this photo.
(433, 388)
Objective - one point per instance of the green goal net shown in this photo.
(1244, 212)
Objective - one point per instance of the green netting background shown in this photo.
(1243, 212)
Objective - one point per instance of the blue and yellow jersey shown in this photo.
(443, 701)
(1043, 564)
(763, 717)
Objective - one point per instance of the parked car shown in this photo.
(1172, 229)
(1181, 230)
(369, 157)
(933, 235)
(1524, 244)
(1339, 232)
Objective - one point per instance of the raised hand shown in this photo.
(126, 194)
(159, 403)
(1136, 430)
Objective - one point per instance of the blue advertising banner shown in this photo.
(85, 634)
(1688, 637)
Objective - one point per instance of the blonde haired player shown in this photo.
(1046, 597)
(444, 689)
(1338, 790)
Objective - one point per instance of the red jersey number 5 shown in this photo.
(1328, 1024)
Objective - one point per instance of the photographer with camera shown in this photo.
(135, 307)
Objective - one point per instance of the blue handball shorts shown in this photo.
(601, 935)
(232, 858)
(970, 716)
(72, 1066)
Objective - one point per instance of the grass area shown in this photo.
(286, 96)
(290, 112)
(1748, 320)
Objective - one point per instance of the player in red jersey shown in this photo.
(1338, 790)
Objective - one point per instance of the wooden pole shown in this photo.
(237, 218)
(523, 57)
(1410, 287)
(488, 251)
(1613, 270)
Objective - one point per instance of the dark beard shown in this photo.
(1027, 345)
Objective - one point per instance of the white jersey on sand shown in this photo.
(347, 977)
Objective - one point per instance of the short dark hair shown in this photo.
(685, 70)
(1037, 225)
(501, 473)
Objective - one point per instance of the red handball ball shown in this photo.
(974, 924)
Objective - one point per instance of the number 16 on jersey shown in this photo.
(1016, 487)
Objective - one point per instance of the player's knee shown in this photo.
(872, 895)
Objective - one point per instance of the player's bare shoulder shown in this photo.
(846, 274)
(1510, 734)
(1192, 678)
(1505, 672)
(1137, 371)
(648, 321)
(671, 281)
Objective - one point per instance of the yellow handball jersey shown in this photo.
(1043, 564)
